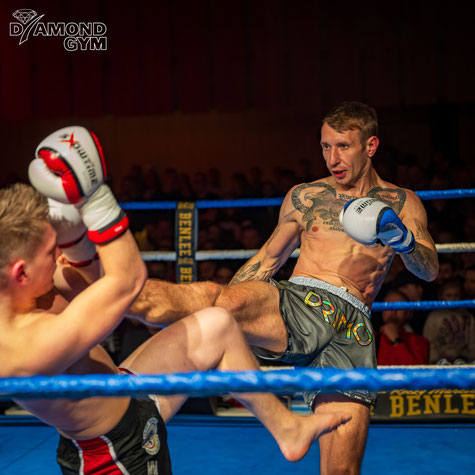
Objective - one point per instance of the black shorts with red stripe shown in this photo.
(136, 445)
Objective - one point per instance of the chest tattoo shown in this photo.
(320, 203)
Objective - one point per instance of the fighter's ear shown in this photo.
(17, 271)
(372, 145)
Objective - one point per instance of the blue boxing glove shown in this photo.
(370, 221)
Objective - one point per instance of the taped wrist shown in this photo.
(103, 217)
(407, 245)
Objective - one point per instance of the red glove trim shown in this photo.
(60, 167)
(111, 232)
(101, 153)
(83, 263)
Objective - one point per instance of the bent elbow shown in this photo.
(434, 273)
(431, 273)
(132, 283)
(139, 278)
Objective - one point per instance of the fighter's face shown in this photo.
(344, 155)
(42, 267)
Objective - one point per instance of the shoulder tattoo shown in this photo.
(394, 197)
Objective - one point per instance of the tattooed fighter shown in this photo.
(349, 226)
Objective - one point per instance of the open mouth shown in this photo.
(339, 173)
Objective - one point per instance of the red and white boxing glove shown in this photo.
(71, 234)
(70, 168)
(370, 221)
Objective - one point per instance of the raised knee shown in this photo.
(222, 318)
(219, 322)
(229, 300)
(212, 290)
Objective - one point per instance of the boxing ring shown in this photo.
(216, 445)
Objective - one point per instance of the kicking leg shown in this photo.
(211, 339)
(162, 303)
(254, 305)
(341, 451)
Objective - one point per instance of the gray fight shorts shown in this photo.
(326, 327)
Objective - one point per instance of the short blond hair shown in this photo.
(353, 116)
(24, 214)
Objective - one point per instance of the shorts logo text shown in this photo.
(335, 317)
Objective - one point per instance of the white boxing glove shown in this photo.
(70, 168)
(71, 234)
(370, 221)
(69, 165)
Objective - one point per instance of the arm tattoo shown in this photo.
(251, 272)
(421, 262)
(421, 232)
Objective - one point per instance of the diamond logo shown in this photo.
(24, 15)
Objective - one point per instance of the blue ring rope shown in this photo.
(287, 381)
(253, 202)
(426, 305)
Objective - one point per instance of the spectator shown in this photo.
(132, 185)
(185, 187)
(240, 187)
(412, 287)
(303, 171)
(287, 180)
(396, 345)
(451, 332)
(469, 225)
(447, 269)
(254, 178)
(469, 282)
(157, 270)
(250, 238)
(151, 190)
(223, 275)
(170, 185)
(444, 212)
(206, 270)
(200, 188)
(214, 182)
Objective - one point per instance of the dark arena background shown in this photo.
(199, 100)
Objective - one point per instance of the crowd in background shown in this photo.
(403, 337)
